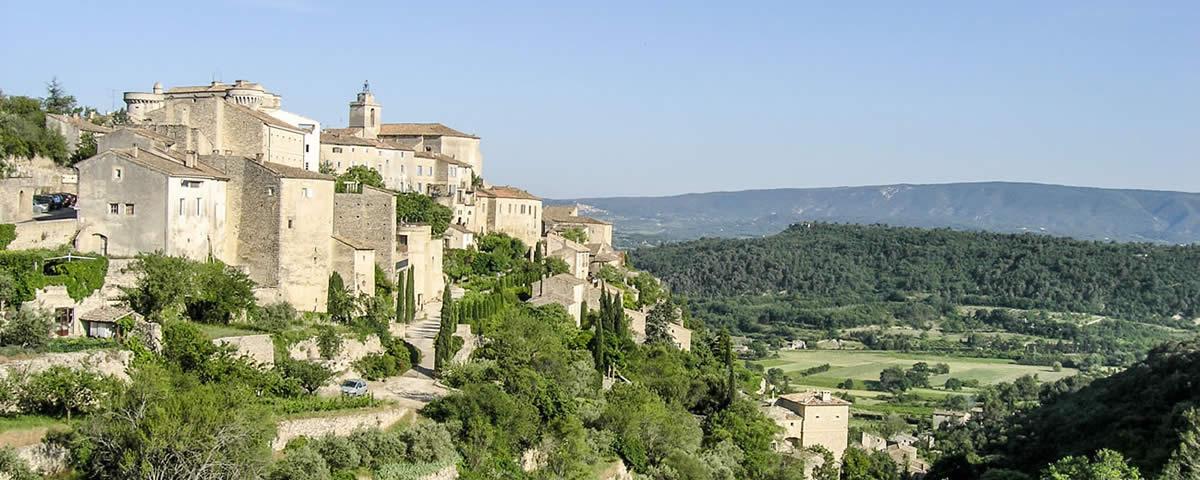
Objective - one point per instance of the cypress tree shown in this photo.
(583, 316)
(598, 345)
(401, 292)
(442, 343)
(726, 345)
(617, 319)
(410, 302)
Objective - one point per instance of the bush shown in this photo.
(407, 471)
(393, 361)
(8, 233)
(275, 317)
(329, 342)
(59, 391)
(377, 447)
(311, 376)
(428, 442)
(303, 463)
(13, 467)
(29, 328)
(338, 452)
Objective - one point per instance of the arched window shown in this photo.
(371, 119)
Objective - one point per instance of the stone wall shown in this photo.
(352, 351)
(305, 236)
(16, 199)
(121, 234)
(44, 459)
(105, 362)
(368, 219)
(338, 425)
(48, 234)
(258, 348)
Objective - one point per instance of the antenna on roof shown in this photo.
(366, 86)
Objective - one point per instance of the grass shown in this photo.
(221, 331)
(862, 365)
(22, 430)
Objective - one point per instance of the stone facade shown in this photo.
(72, 129)
(559, 218)
(563, 289)
(356, 265)
(577, 256)
(419, 251)
(812, 418)
(136, 200)
(16, 199)
(368, 219)
(511, 211)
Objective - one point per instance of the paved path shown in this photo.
(421, 334)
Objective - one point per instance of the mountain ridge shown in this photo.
(1090, 213)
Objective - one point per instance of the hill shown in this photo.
(1079, 212)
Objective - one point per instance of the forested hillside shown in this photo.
(1078, 212)
(1143, 282)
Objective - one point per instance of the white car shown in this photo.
(354, 387)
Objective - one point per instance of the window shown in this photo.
(306, 192)
(200, 207)
(118, 173)
(182, 208)
(337, 149)
(522, 209)
(114, 208)
(290, 223)
(191, 183)
(306, 148)
(129, 209)
(270, 191)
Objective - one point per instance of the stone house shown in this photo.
(72, 128)
(458, 236)
(368, 218)
(229, 119)
(559, 218)
(103, 322)
(417, 249)
(393, 161)
(602, 255)
(563, 289)
(512, 211)
(141, 200)
(949, 417)
(577, 256)
(355, 264)
(812, 418)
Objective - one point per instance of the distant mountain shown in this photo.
(1080, 212)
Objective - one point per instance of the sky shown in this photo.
(584, 99)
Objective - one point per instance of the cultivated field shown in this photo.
(863, 365)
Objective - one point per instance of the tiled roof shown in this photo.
(285, 171)
(107, 313)
(267, 119)
(505, 192)
(562, 214)
(167, 164)
(421, 129)
(348, 139)
(459, 228)
(443, 158)
(813, 398)
(80, 123)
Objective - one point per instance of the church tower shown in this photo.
(365, 113)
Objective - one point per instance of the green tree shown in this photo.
(1184, 463)
(85, 149)
(14, 467)
(401, 298)
(311, 376)
(185, 345)
(1105, 465)
(894, 379)
(725, 345)
(410, 303)
(859, 464)
(339, 302)
(27, 328)
(575, 234)
(418, 208)
(443, 343)
(329, 343)
(57, 99)
(62, 391)
(658, 321)
(357, 176)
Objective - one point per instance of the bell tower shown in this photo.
(365, 113)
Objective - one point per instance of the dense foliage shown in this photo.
(417, 208)
(8, 233)
(23, 131)
(1125, 280)
(173, 287)
(355, 177)
(23, 272)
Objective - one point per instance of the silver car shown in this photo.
(354, 387)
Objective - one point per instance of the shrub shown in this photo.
(377, 447)
(59, 391)
(13, 467)
(29, 328)
(303, 463)
(329, 343)
(8, 233)
(428, 442)
(338, 452)
(407, 471)
(377, 365)
(311, 376)
(275, 317)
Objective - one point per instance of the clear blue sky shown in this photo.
(621, 98)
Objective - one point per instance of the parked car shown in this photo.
(42, 203)
(66, 199)
(354, 387)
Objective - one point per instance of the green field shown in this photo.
(866, 364)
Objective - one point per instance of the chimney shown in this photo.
(189, 158)
(826, 397)
(258, 157)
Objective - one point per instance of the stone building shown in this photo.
(512, 211)
(393, 161)
(228, 119)
(141, 200)
(421, 252)
(563, 289)
(577, 256)
(812, 418)
(16, 199)
(72, 128)
(367, 217)
(559, 218)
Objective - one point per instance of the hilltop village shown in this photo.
(327, 223)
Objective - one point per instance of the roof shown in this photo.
(167, 164)
(148, 133)
(80, 123)
(267, 119)
(458, 228)
(350, 244)
(443, 158)
(505, 192)
(568, 279)
(421, 129)
(558, 211)
(814, 399)
(285, 171)
(349, 139)
(107, 313)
